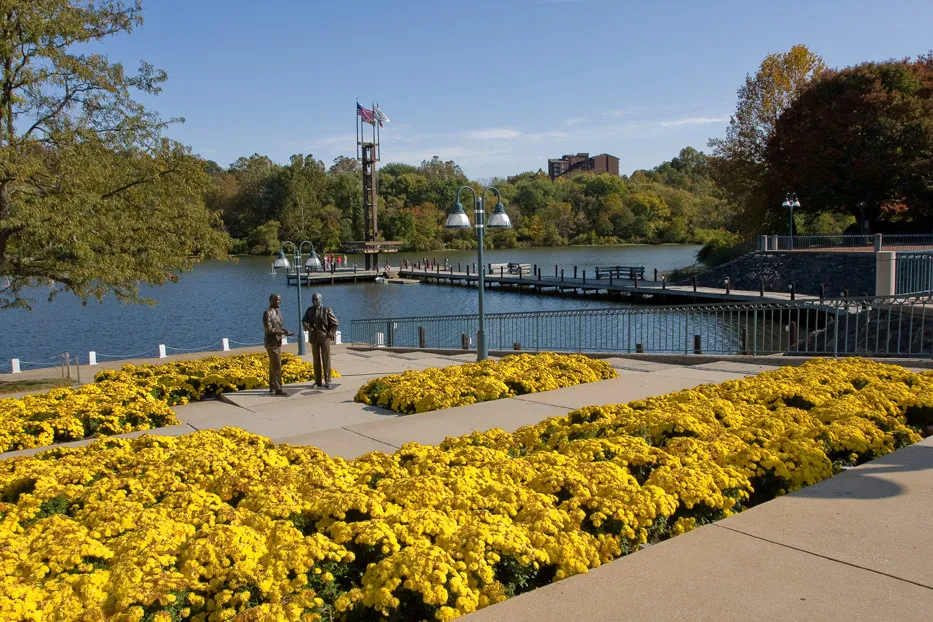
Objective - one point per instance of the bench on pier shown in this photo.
(621, 272)
(510, 268)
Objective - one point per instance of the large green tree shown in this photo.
(345, 193)
(92, 196)
(739, 164)
(300, 188)
(256, 200)
(861, 134)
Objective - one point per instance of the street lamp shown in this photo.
(790, 202)
(861, 206)
(281, 262)
(314, 262)
(457, 219)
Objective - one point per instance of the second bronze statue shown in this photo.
(321, 324)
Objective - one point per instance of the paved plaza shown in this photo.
(853, 547)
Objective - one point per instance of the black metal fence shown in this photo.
(914, 272)
(892, 326)
(895, 242)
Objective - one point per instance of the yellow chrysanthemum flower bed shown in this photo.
(419, 391)
(180, 382)
(137, 397)
(215, 525)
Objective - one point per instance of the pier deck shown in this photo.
(643, 290)
(330, 278)
(655, 291)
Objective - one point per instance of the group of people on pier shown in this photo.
(328, 262)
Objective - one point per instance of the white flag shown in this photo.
(380, 115)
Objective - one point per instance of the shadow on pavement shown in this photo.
(871, 480)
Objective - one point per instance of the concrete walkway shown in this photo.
(331, 420)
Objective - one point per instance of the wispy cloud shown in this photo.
(330, 141)
(494, 134)
(498, 150)
(694, 121)
(448, 152)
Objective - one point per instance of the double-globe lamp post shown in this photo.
(314, 262)
(457, 219)
(790, 202)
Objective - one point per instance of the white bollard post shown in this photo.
(338, 338)
(885, 273)
(763, 243)
(380, 340)
(226, 343)
(92, 358)
(162, 353)
(284, 340)
(15, 365)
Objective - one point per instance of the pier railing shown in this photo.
(877, 326)
(865, 242)
(914, 272)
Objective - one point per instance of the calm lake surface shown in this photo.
(226, 299)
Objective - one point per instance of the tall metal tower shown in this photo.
(368, 153)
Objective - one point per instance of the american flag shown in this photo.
(366, 113)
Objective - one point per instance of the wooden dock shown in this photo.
(624, 289)
(332, 278)
(648, 291)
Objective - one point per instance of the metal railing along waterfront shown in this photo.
(866, 242)
(914, 272)
(876, 326)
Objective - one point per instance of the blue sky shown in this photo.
(498, 87)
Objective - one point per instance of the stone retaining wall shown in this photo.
(807, 270)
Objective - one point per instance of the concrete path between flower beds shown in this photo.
(853, 547)
(351, 429)
(332, 421)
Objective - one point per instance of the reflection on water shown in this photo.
(226, 299)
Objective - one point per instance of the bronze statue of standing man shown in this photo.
(321, 324)
(272, 324)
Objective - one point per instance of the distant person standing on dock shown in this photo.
(272, 324)
(321, 324)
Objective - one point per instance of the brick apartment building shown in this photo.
(603, 163)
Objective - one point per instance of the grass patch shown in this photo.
(39, 384)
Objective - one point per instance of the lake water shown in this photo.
(226, 299)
